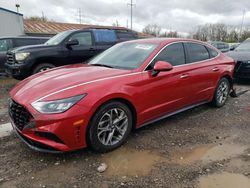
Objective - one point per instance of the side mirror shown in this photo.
(232, 48)
(161, 66)
(73, 42)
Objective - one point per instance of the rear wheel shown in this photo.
(221, 93)
(42, 67)
(110, 127)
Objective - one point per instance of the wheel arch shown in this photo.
(121, 99)
(230, 79)
(99, 104)
(39, 61)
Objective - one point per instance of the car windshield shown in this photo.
(245, 46)
(124, 55)
(58, 38)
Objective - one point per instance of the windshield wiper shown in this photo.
(102, 65)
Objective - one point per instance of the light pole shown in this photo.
(17, 8)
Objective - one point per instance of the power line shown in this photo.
(131, 4)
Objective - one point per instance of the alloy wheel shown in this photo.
(112, 126)
(222, 92)
(44, 69)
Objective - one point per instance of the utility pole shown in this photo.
(79, 15)
(242, 22)
(131, 4)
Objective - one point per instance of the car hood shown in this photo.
(45, 86)
(239, 55)
(32, 48)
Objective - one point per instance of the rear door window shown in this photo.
(197, 52)
(105, 36)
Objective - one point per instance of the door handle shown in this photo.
(184, 76)
(215, 69)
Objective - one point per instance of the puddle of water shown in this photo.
(189, 156)
(5, 129)
(224, 151)
(224, 180)
(208, 153)
(128, 162)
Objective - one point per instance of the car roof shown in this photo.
(164, 41)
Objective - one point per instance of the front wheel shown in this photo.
(42, 67)
(110, 127)
(221, 93)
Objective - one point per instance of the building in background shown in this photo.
(48, 29)
(11, 23)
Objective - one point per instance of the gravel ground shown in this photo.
(204, 147)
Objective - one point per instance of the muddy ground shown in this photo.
(204, 148)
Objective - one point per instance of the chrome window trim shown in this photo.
(184, 47)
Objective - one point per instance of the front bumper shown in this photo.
(242, 70)
(55, 133)
(17, 70)
(37, 146)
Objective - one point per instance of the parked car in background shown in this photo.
(69, 47)
(74, 106)
(242, 56)
(8, 43)
(233, 46)
(222, 46)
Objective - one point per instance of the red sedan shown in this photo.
(128, 86)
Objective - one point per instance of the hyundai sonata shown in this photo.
(130, 85)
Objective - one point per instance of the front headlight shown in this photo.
(21, 56)
(56, 106)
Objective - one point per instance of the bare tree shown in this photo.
(245, 35)
(214, 32)
(38, 18)
(170, 34)
(116, 24)
(152, 29)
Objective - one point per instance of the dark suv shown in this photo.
(69, 47)
(8, 43)
(242, 56)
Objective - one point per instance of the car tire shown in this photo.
(42, 67)
(19, 77)
(221, 93)
(109, 127)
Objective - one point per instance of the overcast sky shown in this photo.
(180, 15)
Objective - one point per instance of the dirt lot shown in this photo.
(204, 147)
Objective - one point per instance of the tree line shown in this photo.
(220, 32)
(207, 32)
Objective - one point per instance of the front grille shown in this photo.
(10, 58)
(19, 114)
